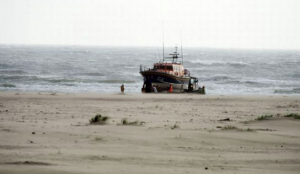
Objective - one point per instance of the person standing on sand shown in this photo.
(148, 85)
(122, 88)
(154, 89)
(170, 88)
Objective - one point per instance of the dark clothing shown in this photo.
(148, 86)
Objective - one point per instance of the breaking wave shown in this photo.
(116, 81)
(8, 85)
(217, 63)
(247, 83)
(91, 74)
(217, 78)
(286, 91)
(12, 71)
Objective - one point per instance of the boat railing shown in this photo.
(143, 68)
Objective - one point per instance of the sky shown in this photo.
(254, 24)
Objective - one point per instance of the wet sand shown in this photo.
(180, 133)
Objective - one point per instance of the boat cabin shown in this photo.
(171, 68)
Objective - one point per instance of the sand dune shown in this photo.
(181, 133)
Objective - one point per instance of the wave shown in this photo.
(4, 66)
(116, 81)
(18, 77)
(247, 83)
(217, 78)
(204, 62)
(57, 80)
(68, 81)
(296, 75)
(68, 84)
(7, 85)
(91, 74)
(12, 71)
(237, 64)
(217, 63)
(35, 78)
(234, 81)
(286, 91)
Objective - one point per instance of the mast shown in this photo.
(158, 53)
(181, 49)
(174, 56)
(163, 41)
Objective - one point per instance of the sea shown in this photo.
(99, 69)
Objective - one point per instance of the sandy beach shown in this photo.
(175, 133)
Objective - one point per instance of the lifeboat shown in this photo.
(170, 71)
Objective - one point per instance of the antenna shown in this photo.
(155, 57)
(163, 41)
(181, 48)
(158, 52)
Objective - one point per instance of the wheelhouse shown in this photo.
(170, 68)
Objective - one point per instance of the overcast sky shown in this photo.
(262, 24)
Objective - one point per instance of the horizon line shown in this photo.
(144, 46)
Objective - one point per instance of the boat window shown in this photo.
(169, 68)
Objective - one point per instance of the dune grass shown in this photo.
(98, 138)
(293, 115)
(264, 117)
(124, 121)
(229, 127)
(249, 130)
(175, 126)
(99, 119)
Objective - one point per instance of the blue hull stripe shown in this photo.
(157, 77)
